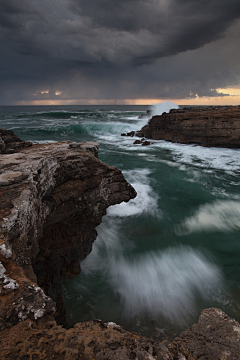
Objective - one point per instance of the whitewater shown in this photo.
(161, 258)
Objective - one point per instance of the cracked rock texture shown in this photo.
(52, 197)
(215, 337)
(206, 126)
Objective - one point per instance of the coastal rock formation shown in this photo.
(215, 337)
(52, 197)
(10, 143)
(206, 126)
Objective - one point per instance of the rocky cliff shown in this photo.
(52, 196)
(206, 126)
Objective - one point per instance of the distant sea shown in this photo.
(164, 256)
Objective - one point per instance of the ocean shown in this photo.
(170, 252)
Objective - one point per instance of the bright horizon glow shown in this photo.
(232, 99)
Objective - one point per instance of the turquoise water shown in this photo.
(164, 256)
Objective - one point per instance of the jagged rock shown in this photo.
(92, 340)
(206, 126)
(146, 143)
(52, 197)
(131, 133)
(137, 142)
(139, 134)
(10, 143)
(214, 337)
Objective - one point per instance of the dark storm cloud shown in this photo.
(106, 48)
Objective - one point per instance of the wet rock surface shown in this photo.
(206, 126)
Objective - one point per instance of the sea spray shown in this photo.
(162, 284)
(218, 216)
(162, 107)
(146, 201)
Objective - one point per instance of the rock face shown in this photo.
(10, 143)
(215, 337)
(206, 126)
(52, 197)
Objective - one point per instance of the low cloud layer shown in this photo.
(105, 49)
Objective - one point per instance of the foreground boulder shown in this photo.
(206, 126)
(215, 337)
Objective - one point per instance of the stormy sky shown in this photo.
(63, 50)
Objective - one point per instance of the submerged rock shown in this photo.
(137, 142)
(206, 126)
(131, 133)
(146, 143)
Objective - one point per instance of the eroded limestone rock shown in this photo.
(214, 337)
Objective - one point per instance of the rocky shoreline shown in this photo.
(211, 126)
(52, 197)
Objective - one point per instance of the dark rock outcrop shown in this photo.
(215, 337)
(206, 126)
(52, 197)
(10, 143)
(145, 116)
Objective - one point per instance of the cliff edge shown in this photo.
(206, 126)
(52, 197)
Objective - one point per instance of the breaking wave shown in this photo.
(164, 283)
(162, 107)
(146, 201)
(218, 216)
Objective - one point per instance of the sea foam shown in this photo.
(162, 107)
(218, 216)
(146, 201)
(165, 283)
